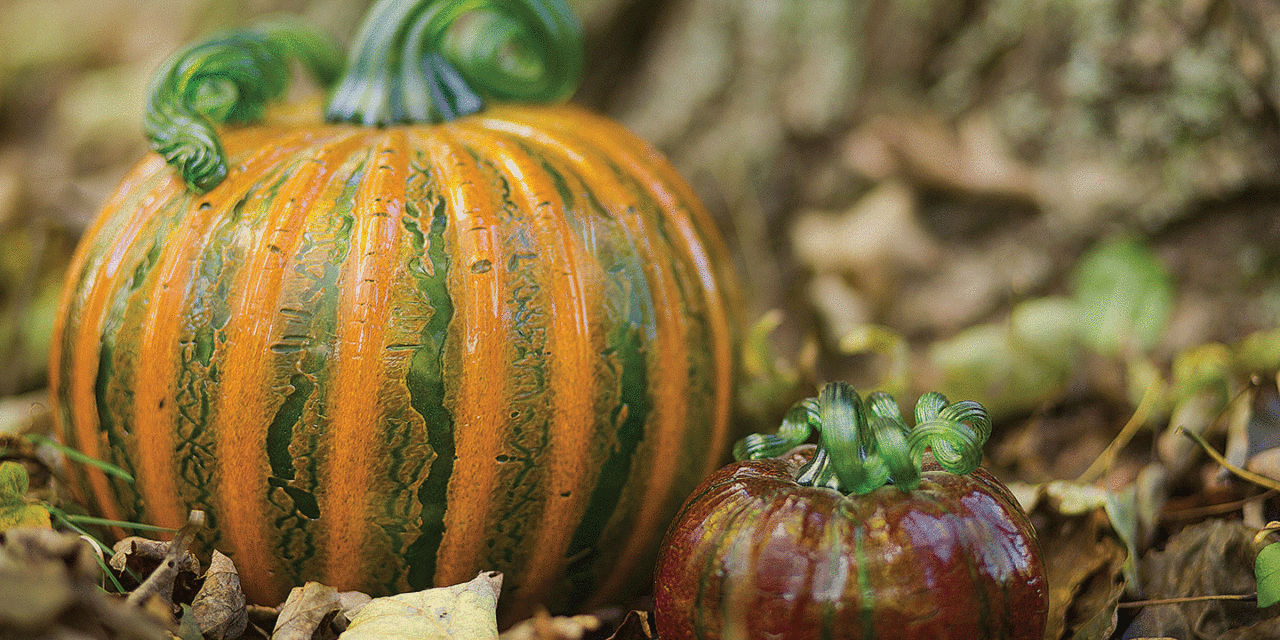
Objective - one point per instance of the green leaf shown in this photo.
(1015, 365)
(1124, 296)
(187, 628)
(15, 511)
(1260, 351)
(1267, 570)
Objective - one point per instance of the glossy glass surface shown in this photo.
(755, 555)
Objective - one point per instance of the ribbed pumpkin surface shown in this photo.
(387, 358)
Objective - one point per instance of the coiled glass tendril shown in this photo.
(862, 445)
(228, 78)
(436, 60)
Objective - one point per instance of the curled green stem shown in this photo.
(797, 424)
(434, 60)
(229, 78)
(414, 61)
(862, 445)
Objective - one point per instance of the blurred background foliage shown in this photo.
(1068, 210)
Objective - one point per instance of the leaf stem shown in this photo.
(1217, 457)
(1215, 509)
(1139, 418)
(1166, 601)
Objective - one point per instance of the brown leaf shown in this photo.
(636, 626)
(32, 595)
(1214, 557)
(308, 613)
(260, 619)
(48, 590)
(1095, 610)
(135, 558)
(32, 545)
(1083, 562)
(219, 607)
(160, 584)
(542, 626)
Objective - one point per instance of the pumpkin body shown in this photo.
(753, 555)
(387, 358)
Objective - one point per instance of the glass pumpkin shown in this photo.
(435, 332)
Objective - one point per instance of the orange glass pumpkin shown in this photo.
(432, 335)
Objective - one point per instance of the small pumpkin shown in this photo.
(798, 541)
(437, 332)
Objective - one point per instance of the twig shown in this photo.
(1217, 457)
(1215, 509)
(1163, 601)
(1108, 456)
(162, 578)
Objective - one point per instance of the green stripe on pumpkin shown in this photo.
(626, 349)
(866, 592)
(425, 381)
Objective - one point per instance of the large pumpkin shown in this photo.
(386, 354)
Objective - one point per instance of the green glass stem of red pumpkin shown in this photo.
(865, 444)
(413, 61)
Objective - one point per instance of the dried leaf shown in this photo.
(462, 612)
(1195, 413)
(636, 626)
(1102, 623)
(48, 589)
(219, 608)
(32, 596)
(308, 613)
(352, 603)
(879, 234)
(261, 617)
(134, 558)
(545, 627)
(1262, 430)
(1075, 499)
(34, 545)
(1083, 564)
(1215, 557)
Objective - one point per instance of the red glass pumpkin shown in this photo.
(756, 553)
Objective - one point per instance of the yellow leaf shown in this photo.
(461, 612)
(15, 511)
